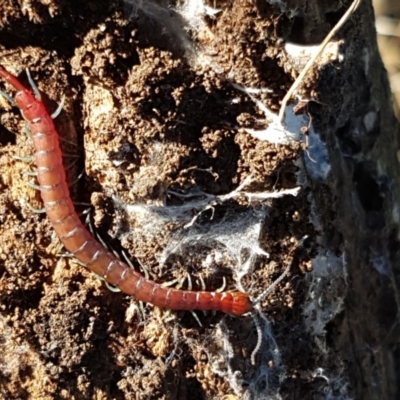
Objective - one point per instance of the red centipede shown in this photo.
(78, 240)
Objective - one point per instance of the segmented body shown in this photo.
(77, 239)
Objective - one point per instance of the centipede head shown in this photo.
(24, 99)
(26, 102)
(241, 304)
(236, 303)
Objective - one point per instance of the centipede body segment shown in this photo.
(78, 240)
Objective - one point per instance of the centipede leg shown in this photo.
(27, 132)
(12, 102)
(36, 187)
(202, 283)
(69, 255)
(27, 159)
(194, 315)
(111, 288)
(172, 282)
(30, 159)
(35, 89)
(189, 278)
(7, 97)
(63, 140)
(100, 239)
(88, 223)
(36, 210)
(58, 110)
(74, 158)
(33, 185)
(30, 173)
(129, 262)
(203, 288)
(223, 286)
(77, 179)
(190, 287)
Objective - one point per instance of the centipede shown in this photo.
(77, 239)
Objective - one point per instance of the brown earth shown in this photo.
(148, 109)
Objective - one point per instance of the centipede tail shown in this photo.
(78, 240)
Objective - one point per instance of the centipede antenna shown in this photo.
(58, 110)
(32, 185)
(271, 287)
(7, 97)
(222, 288)
(259, 338)
(196, 318)
(36, 92)
(36, 210)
